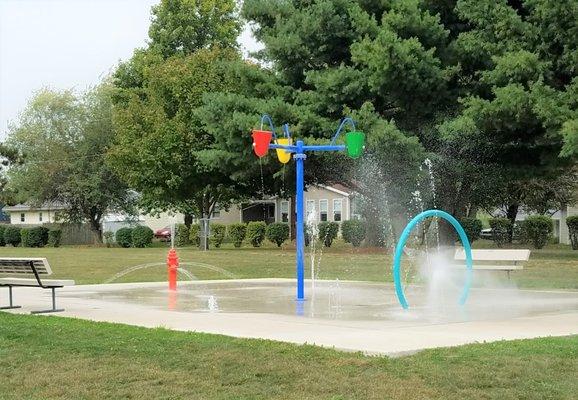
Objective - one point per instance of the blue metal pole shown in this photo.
(300, 234)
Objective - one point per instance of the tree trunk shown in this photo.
(96, 228)
(188, 219)
(511, 214)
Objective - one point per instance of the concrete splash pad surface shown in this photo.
(354, 316)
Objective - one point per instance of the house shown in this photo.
(324, 203)
(24, 214)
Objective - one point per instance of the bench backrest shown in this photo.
(21, 265)
(512, 255)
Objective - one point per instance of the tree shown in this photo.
(484, 85)
(62, 140)
(185, 26)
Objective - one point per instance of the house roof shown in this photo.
(28, 207)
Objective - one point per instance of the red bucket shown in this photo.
(261, 141)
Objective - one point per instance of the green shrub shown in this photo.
(218, 234)
(472, 227)
(12, 236)
(353, 231)
(55, 236)
(572, 223)
(142, 236)
(124, 237)
(108, 237)
(194, 234)
(277, 233)
(500, 230)
(328, 232)
(34, 237)
(2, 241)
(256, 232)
(237, 233)
(182, 235)
(539, 229)
(520, 232)
(24, 237)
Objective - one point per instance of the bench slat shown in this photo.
(33, 282)
(21, 265)
(495, 255)
(480, 267)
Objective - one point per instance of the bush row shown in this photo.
(139, 236)
(536, 229)
(256, 232)
(37, 236)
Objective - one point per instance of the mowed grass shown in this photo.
(553, 267)
(59, 358)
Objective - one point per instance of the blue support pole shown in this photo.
(300, 234)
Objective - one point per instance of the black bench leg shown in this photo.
(11, 306)
(54, 309)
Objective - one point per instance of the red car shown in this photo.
(163, 233)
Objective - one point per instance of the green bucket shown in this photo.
(355, 142)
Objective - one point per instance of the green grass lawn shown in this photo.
(553, 267)
(52, 357)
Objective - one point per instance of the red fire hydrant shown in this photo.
(172, 266)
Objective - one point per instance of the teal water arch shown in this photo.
(401, 244)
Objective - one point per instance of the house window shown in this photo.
(22, 217)
(310, 208)
(337, 203)
(322, 210)
(284, 211)
(40, 217)
(216, 212)
(355, 208)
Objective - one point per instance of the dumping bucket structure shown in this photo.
(354, 142)
(261, 141)
(284, 156)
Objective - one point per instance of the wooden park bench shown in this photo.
(496, 259)
(29, 266)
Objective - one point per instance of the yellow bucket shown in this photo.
(283, 155)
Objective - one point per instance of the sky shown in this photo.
(68, 44)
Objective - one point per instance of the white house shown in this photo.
(23, 214)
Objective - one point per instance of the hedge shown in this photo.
(472, 227)
(277, 233)
(218, 234)
(34, 237)
(2, 241)
(194, 234)
(353, 231)
(539, 229)
(182, 235)
(124, 237)
(142, 236)
(328, 232)
(54, 237)
(12, 236)
(500, 230)
(572, 223)
(256, 232)
(237, 233)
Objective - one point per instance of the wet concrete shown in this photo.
(356, 316)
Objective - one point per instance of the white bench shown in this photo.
(496, 259)
(29, 266)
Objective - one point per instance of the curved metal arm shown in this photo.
(343, 122)
(268, 118)
(286, 132)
